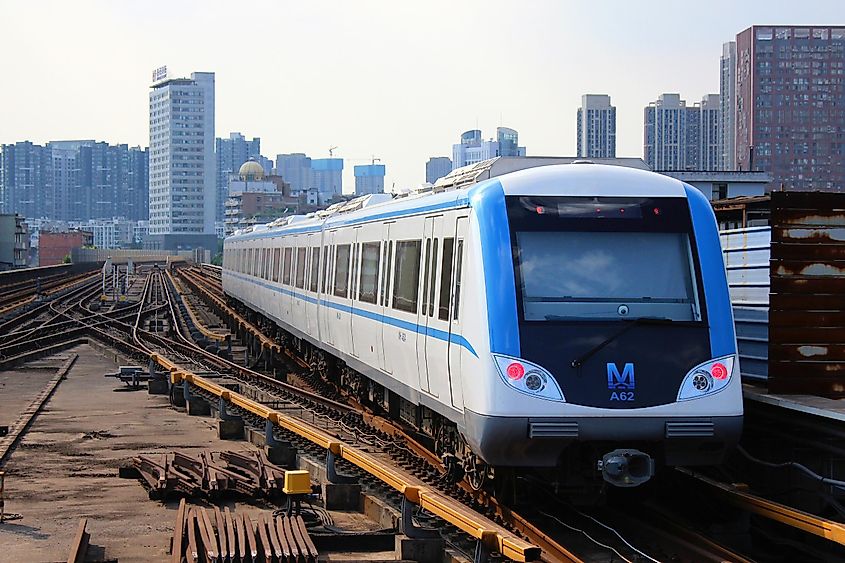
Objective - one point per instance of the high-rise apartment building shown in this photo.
(679, 137)
(304, 174)
(596, 120)
(231, 153)
(369, 179)
(327, 177)
(74, 180)
(709, 153)
(790, 105)
(437, 167)
(295, 169)
(183, 182)
(727, 106)
(473, 148)
(25, 183)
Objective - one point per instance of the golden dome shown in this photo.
(251, 170)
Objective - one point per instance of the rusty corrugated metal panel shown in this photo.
(807, 300)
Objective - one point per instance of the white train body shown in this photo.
(430, 307)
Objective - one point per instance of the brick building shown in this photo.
(53, 247)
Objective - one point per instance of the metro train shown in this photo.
(571, 316)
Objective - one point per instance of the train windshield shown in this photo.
(619, 259)
(605, 275)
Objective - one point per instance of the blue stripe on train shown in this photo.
(378, 317)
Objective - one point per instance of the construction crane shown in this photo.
(331, 151)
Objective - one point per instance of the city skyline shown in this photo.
(535, 83)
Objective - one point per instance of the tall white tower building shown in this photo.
(596, 127)
(727, 106)
(183, 182)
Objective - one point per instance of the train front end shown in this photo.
(621, 355)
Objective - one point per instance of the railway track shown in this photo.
(591, 537)
(385, 458)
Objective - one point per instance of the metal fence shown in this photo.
(747, 253)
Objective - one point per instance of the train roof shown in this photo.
(580, 178)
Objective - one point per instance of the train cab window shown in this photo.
(286, 265)
(300, 268)
(369, 271)
(445, 278)
(341, 270)
(459, 261)
(315, 268)
(407, 276)
(572, 274)
(277, 255)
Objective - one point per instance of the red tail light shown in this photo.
(515, 371)
(719, 371)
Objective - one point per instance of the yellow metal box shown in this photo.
(297, 483)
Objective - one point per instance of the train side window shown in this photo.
(369, 271)
(315, 268)
(459, 261)
(406, 279)
(300, 268)
(250, 260)
(341, 270)
(277, 258)
(426, 275)
(433, 280)
(445, 278)
(265, 271)
(286, 265)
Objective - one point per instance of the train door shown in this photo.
(385, 291)
(455, 320)
(354, 284)
(310, 272)
(427, 269)
(437, 302)
(328, 311)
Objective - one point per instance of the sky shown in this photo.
(395, 80)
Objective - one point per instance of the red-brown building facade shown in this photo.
(790, 105)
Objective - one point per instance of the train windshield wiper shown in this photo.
(579, 361)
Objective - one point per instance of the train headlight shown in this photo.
(706, 379)
(528, 378)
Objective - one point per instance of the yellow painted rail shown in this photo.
(822, 527)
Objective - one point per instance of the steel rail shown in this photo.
(49, 289)
(207, 332)
(25, 420)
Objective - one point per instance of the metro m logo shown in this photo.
(623, 382)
